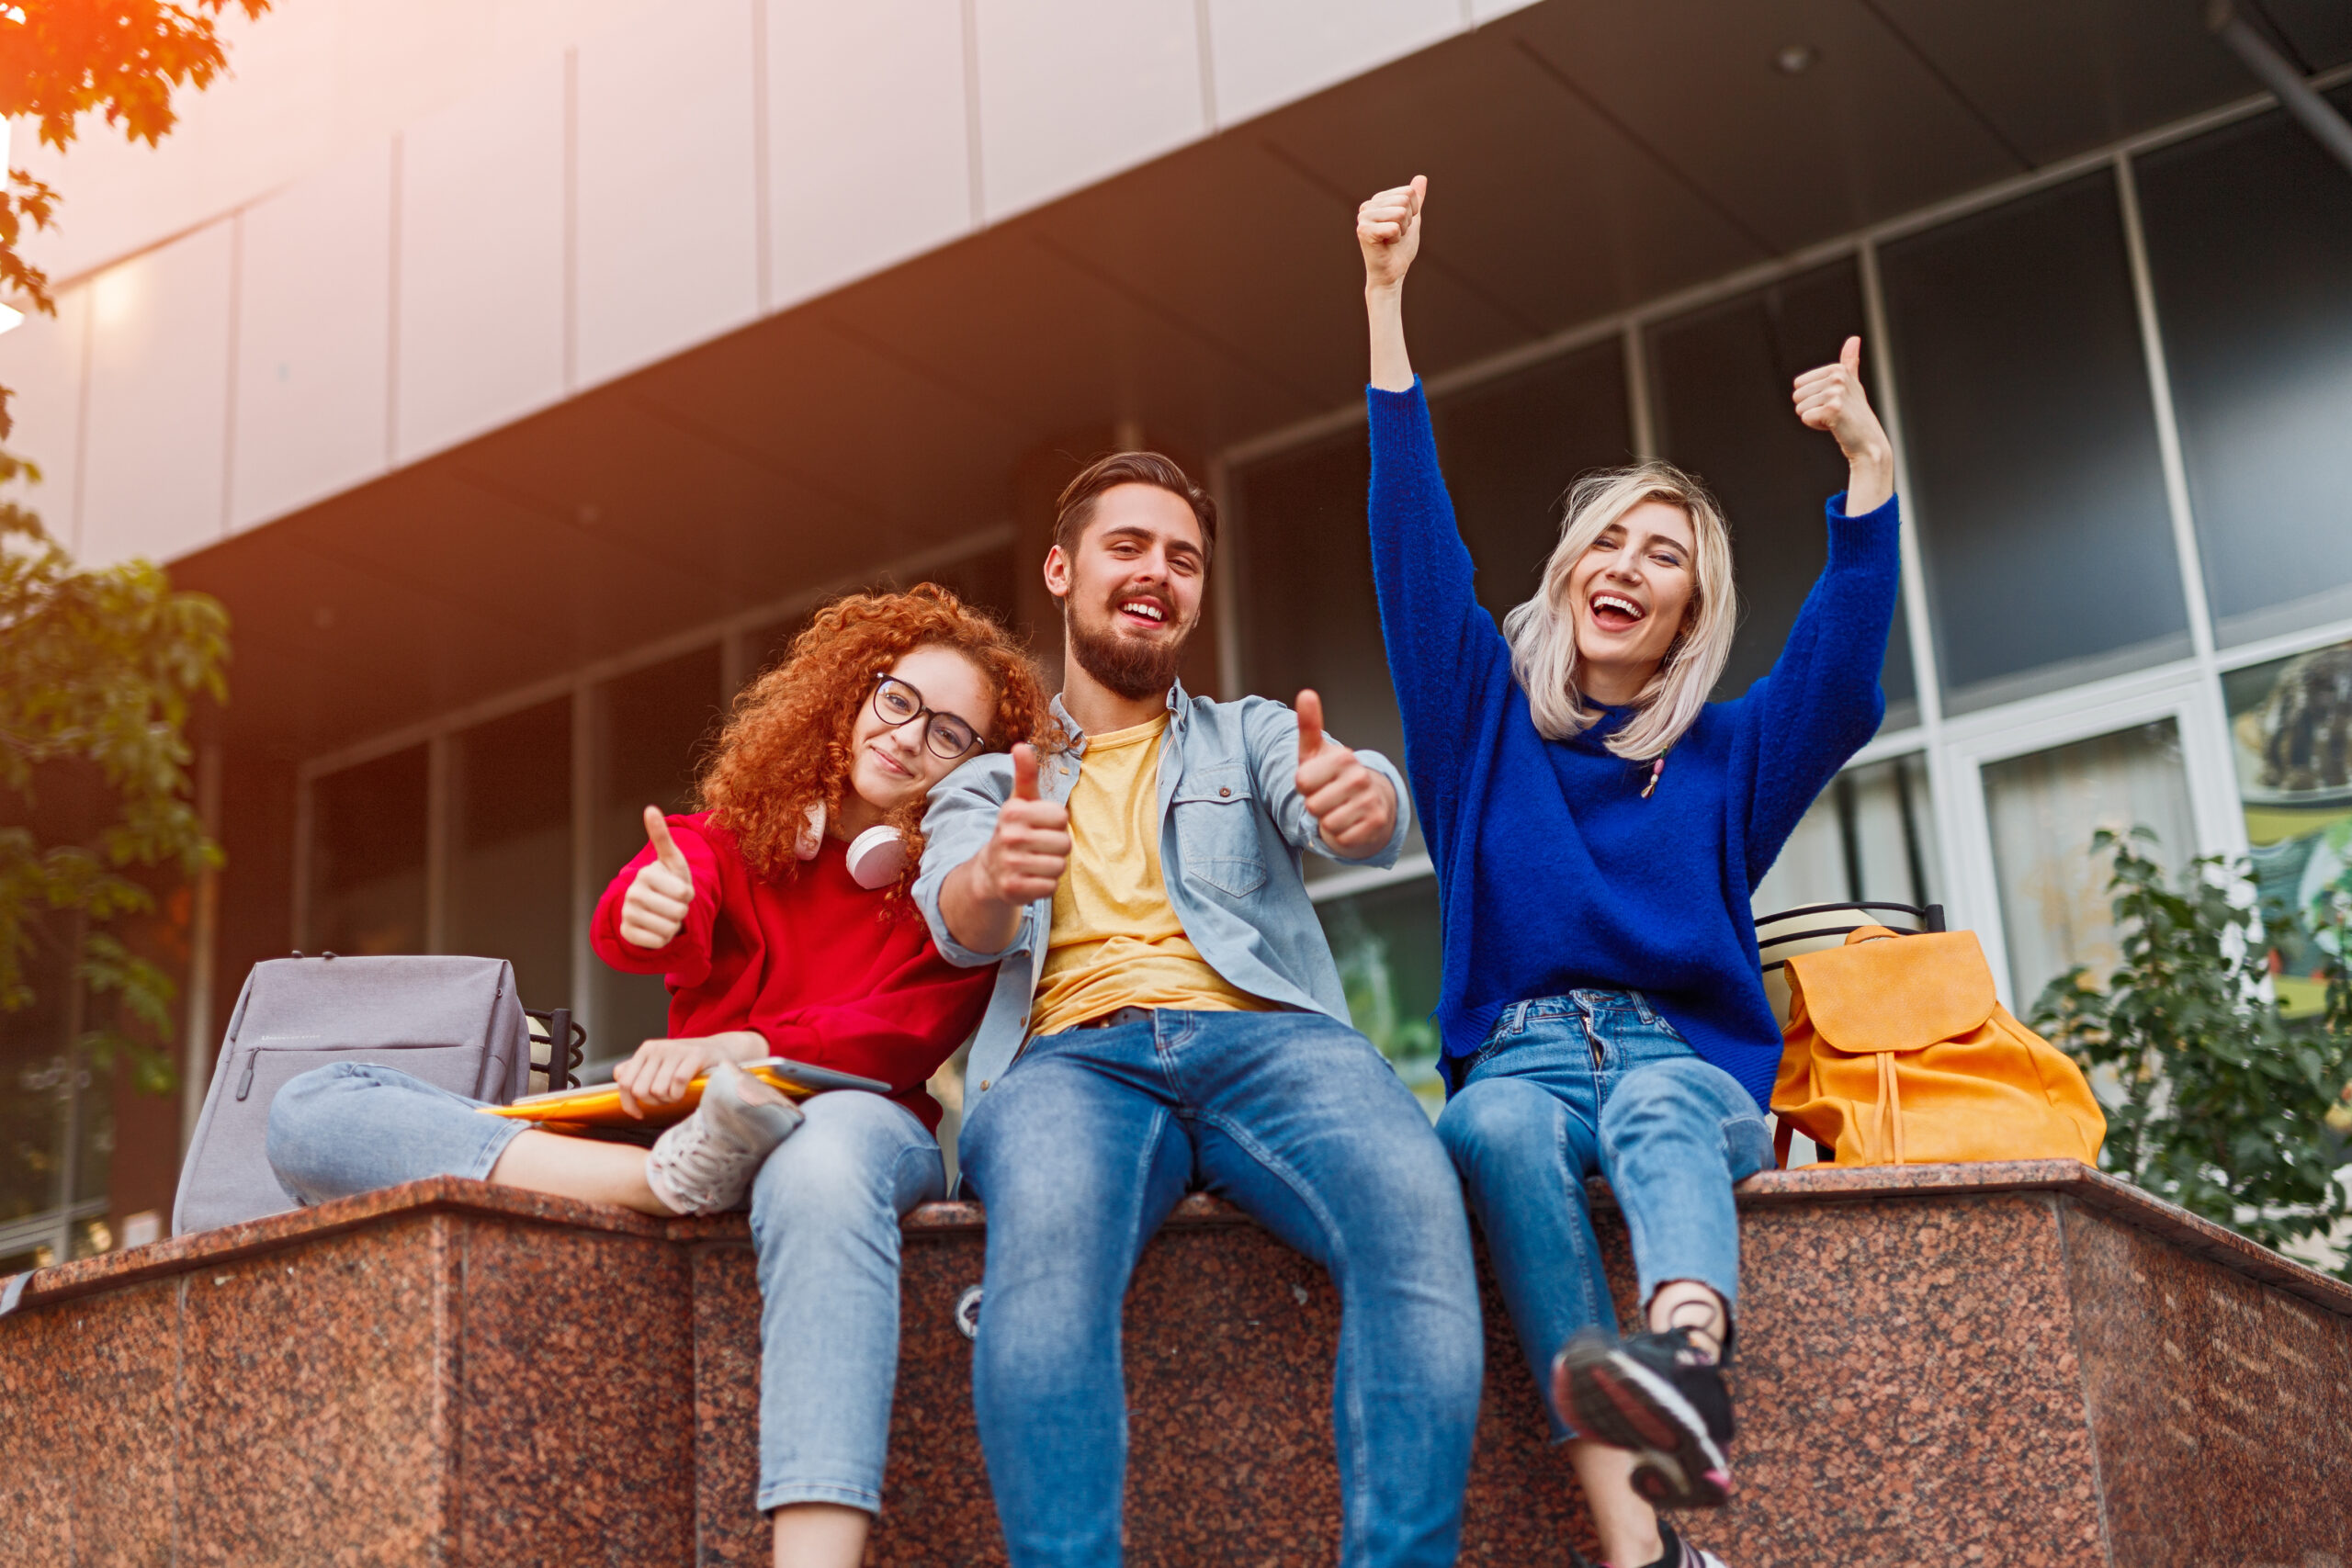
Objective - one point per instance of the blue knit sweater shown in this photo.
(1553, 872)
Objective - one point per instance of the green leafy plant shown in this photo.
(2225, 1103)
(98, 670)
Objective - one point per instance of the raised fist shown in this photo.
(1388, 232)
(662, 892)
(1355, 808)
(1025, 858)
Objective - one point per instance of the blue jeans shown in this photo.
(1596, 1082)
(1081, 1148)
(825, 1213)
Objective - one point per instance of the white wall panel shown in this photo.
(481, 264)
(41, 362)
(1267, 54)
(1072, 90)
(869, 161)
(668, 202)
(313, 336)
(1487, 10)
(156, 449)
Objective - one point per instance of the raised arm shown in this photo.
(1449, 663)
(1388, 232)
(1822, 701)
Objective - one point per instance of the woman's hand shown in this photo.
(1831, 398)
(661, 892)
(1388, 232)
(658, 1076)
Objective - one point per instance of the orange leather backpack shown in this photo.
(1897, 1053)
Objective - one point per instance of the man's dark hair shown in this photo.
(1076, 507)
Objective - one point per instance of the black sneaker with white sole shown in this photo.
(1661, 1398)
(1679, 1554)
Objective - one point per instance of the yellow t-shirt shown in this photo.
(1116, 941)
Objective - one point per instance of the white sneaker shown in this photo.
(704, 1164)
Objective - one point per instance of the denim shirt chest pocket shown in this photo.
(1216, 830)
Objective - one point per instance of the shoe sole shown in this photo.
(1612, 1398)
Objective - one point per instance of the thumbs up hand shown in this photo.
(1831, 398)
(1355, 808)
(1025, 858)
(662, 891)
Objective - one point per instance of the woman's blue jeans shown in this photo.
(1081, 1148)
(825, 1213)
(1597, 1083)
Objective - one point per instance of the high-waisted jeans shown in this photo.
(1081, 1148)
(1596, 1082)
(825, 1213)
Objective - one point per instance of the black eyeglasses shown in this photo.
(947, 736)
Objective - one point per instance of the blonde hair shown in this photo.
(1542, 632)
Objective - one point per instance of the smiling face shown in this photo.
(1131, 590)
(892, 765)
(1629, 596)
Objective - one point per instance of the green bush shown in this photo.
(2229, 1108)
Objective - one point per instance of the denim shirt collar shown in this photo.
(1180, 709)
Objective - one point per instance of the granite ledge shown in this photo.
(2112, 1196)
(273, 1233)
(1807, 1185)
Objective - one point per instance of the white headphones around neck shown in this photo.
(877, 857)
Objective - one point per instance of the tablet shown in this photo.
(597, 1106)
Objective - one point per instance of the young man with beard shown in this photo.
(1168, 1017)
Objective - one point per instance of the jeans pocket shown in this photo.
(1216, 831)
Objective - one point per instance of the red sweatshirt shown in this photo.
(823, 968)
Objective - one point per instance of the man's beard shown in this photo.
(1136, 667)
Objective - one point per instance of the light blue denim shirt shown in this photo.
(1232, 825)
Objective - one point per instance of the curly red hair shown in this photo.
(787, 744)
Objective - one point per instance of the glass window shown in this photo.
(510, 872)
(986, 581)
(2291, 732)
(1869, 836)
(651, 725)
(1311, 618)
(1512, 446)
(367, 856)
(1388, 951)
(2250, 243)
(1721, 379)
(2032, 440)
(34, 1108)
(2043, 809)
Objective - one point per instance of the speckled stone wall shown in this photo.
(1990, 1365)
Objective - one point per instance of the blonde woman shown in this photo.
(1598, 828)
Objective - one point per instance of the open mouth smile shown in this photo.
(1615, 612)
(1143, 612)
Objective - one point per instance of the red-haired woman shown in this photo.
(771, 946)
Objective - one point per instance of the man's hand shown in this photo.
(1022, 863)
(1355, 808)
(1388, 232)
(1831, 398)
(658, 1076)
(662, 892)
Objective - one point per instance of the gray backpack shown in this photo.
(453, 1022)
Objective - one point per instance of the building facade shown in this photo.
(521, 374)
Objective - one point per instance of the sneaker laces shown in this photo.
(704, 1164)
